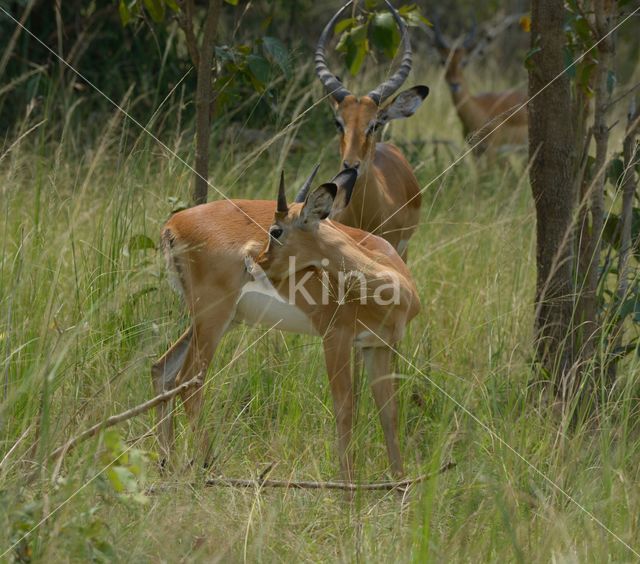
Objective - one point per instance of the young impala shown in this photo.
(309, 275)
(481, 113)
(386, 199)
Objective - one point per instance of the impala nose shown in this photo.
(347, 164)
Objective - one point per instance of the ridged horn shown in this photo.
(332, 85)
(282, 196)
(470, 38)
(388, 87)
(302, 194)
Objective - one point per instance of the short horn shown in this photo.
(332, 85)
(302, 194)
(387, 88)
(470, 38)
(282, 197)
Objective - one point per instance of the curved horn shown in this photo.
(302, 194)
(470, 39)
(387, 88)
(282, 197)
(332, 85)
(439, 41)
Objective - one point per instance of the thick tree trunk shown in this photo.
(203, 102)
(552, 150)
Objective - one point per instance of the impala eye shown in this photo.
(275, 232)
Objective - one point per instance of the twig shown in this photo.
(313, 485)
(124, 416)
(15, 446)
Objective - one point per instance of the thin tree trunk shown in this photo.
(553, 156)
(629, 154)
(629, 182)
(589, 317)
(203, 102)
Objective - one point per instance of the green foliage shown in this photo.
(125, 467)
(250, 67)
(619, 309)
(373, 31)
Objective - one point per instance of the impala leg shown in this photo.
(337, 350)
(207, 335)
(357, 377)
(163, 374)
(378, 364)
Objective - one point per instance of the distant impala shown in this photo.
(386, 199)
(309, 275)
(481, 113)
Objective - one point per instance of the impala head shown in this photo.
(358, 119)
(454, 56)
(294, 232)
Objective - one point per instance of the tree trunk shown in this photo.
(552, 152)
(629, 182)
(203, 102)
(588, 311)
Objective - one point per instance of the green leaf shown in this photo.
(140, 242)
(173, 5)
(355, 46)
(232, 2)
(121, 479)
(528, 58)
(615, 171)
(277, 52)
(343, 25)
(155, 9)
(355, 57)
(582, 29)
(259, 68)
(385, 34)
(125, 14)
(177, 204)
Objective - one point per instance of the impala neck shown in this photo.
(470, 114)
(459, 91)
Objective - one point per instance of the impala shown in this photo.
(481, 113)
(229, 271)
(386, 199)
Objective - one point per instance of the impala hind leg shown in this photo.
(163, 374)
(337, 350)
(206, 337)
(378, 365)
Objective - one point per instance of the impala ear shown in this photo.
(345, 180)
(318, 205)
(403, 105)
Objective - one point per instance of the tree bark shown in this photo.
(629, 183)
(204, 91)
(588, 312)
(552, 152)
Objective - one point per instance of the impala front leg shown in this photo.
(378, 364)
(163, 373)
(337, 350)
(207, 333)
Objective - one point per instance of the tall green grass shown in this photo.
(86, 308)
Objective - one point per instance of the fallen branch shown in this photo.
(310, 485)
(124, 416)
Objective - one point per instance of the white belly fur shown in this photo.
(260, 304)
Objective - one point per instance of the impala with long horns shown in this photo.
(481, 113)
(386, 199)
(273, 264)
